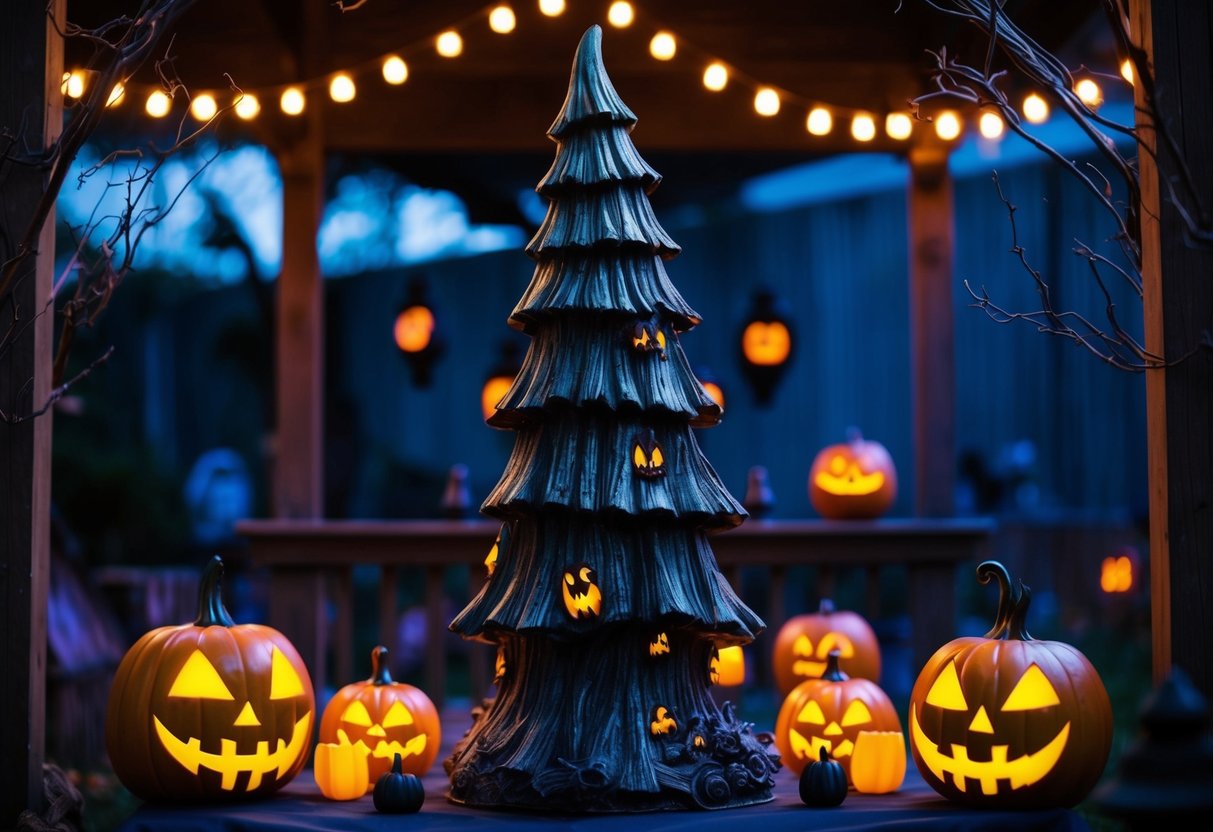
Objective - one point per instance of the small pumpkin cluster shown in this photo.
(1000, 721)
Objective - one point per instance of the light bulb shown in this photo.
(502, 20)
(863, 127)
(74, 84)
(621, 14)
(116, 95)
(292, 101)
(716, 76)
(341, 88)
(247, 106)
(1126, 71)
(449, 44)
(947, 125)
(662, 46)
(395, 70)
(552, 8)
(819, 122)
(991, 125)
(1089, 93)
(1035, 109)
(158, 104)
(766, 102)
(203, 107)
(898, 126)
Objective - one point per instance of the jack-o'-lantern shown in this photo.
(1006, 720)
(648, 337)
(727, 667)
(853, 481)
(829, 713)
(210, 710)
(804, 642)
(663, 722)
(648, 461)
(388, 717)
(582, 598)
(660, 645)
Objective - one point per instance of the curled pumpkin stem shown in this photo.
(211, 612)
(380, 672)
(1013, 601)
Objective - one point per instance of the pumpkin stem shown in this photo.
(211, 612)
(380, 674)
(827, 607)
(992, 570)
(396, 769)
(833, 671)
(1016, 628)
(824, 756)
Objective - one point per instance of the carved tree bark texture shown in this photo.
(31, 63)
(604, 597)
(1178, 298)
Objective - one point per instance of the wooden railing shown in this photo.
(311, 565)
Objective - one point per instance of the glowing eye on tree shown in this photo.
(357, 714)
(946, 692)
(198, 679)
(1032, 691)
(397, 715)
(857, 713)
(812, 714)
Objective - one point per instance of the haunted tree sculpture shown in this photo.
(605, 599)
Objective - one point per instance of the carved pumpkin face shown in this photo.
(829, 713)
(648, 337)
(387, 717)
(582, 598)
(648, 461)
(660, 645)
(209, 710)
(852, 481)
(663, 722)
(803, 646)
(1006, 720)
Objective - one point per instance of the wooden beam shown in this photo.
(1178, 305)
(31, 107)
(931, 233)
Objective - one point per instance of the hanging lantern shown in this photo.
(499, 379)
(711, 386)
(416, 333)
(767, 340)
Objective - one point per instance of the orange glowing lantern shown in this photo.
(727, 667)
(1117, 573)
(804, 642)
(853, 481)
(767, 341)
(500, 378)
(415, 331)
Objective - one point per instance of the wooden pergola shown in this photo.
(490, 106)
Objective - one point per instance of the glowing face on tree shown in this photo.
(582, 598)
(648, 337)
(648, 460)
(660, 645)
(663, 722)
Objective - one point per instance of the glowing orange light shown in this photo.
(863, 128)
(1035, 109)
(493, 391)
(621, 14)
(819, 122)
(204, 107)
(663, 47)
(395, 70)
(1116, 574)
(247, 106)
(716, 76)
(716, 393)
(449, 44)
(116, 95)
(342, 89)
(292, 101)
(502, 20)
(898, 126)
(414, 328)
(947, 125)
(766, 102)
(552, 8)
(991, 125)
(766, 343)
(1089, 93)
(728, 667)
(158, 104)
(1126, 71)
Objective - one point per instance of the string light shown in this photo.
(1126, 71)
(898, 126)
(766, 102)
(662, 46)
(621, 14)
(395, 70)
(449, 44)
(502, 20)
(292, 101)
(158, 104)
(342, 89)
(990, 125)
(820, 122)
(74, 83)
(1089, 93)
(247, 106)
(203, 107)
(947, 125)
(863, 127)
(116, 95)
(716, 76)
(552, 8)
(1035, 109)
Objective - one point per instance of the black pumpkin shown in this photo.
(397, 793)
(822, 784)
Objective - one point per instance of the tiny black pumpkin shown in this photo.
(823, 783)
(397, 793)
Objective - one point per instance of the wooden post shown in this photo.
(31, 64)
(931, 233)
(1177, 280)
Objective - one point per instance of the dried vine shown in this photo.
(984, 88)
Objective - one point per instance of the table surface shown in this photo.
(299, 807)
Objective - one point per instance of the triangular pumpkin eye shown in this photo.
(812, 714)
(946, 692)
(1033, 690)
(284, 681)
(639, 459)
(803, 646)
(857, 714)
(198, 679)
(397, 715)
(356, 714)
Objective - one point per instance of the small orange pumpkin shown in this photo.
(341, 768)
(853, 481)
(829, 713)
(804, 642)
(388, 717)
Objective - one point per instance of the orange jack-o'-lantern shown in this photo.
(853, 481)
(829, 713)
(210, 710)
(805, 641)
(387, 717)
(1006, 720)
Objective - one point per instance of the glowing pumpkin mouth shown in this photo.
(853, 483)
(804, 667)
(229, 764)
(810, 749)
(412, 748)
(1026, 770)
